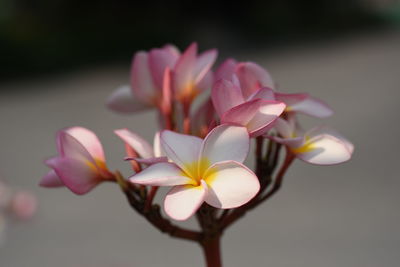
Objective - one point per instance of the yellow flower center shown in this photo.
(200, 170)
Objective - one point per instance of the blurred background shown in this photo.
(61, 59)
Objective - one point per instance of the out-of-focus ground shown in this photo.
(345, 215)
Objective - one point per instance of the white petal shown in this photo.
(226, 142)
(141, 146)
(183, 201)
(161, 174)
(326, 150)
(180, 148)
(230, 185)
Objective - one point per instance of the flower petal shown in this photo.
(181, 149)
(88, 140)
(51, 179)
(326, 150)
(141, 78)
(141, 146)
(79, 176)
(230, 185)
(226, 70)
(203, 64)
(69, 146)
(252, 77)
(161, 174)
(159, 60)
(329, 131)
(242, 114)
(306, 104)
(157, 149)
(226, 142)
(268, 112)
(183, 75)
(183, 201)
(265, 93)
(225, 95)
(122, 100)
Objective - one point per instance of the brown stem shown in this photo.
(186, 117)
(212, 252)
(150, 197)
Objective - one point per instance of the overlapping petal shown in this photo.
(161, 174)
(231, 185)
(225, 95)
(183, 201)
(226, 142)
(141, 146)
(79, 176)
(180, 148)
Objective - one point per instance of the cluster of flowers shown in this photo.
(199, 152)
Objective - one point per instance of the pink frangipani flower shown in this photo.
(148, 73)
(80, 165)
(251, 78)
(320, 146)
(208, 170)
(257, 115)
(146, 153)
(192, 74)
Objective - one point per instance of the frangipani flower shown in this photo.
(251, 77)
(147, 80)
(192, 74)
(257, 115)
(321, 145)
(147, 154)
(209, 170)
(80, 165)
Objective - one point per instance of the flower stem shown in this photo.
(212, 251)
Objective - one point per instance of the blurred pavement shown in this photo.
(345, 215)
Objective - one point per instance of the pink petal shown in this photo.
(69, 146)
(226, 70)
(231, 185)
(284, 129)
(172, 49)
(225, 95)
(122, 100)
(50, 180)
(141, 78)
(181, 149)
(306, 104)
(326, 150)
(24, 205)
(79, 176)
(262, 121)
(141, 146)
(157, 146)
(294, 142)
(226, 142)
(206, 83)
(159, 60)
(183, 201)
(161, 174)
(265, 93)
(88, 140)
(252, 77)
(184, 69)
(243, 113)
(203, 64)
